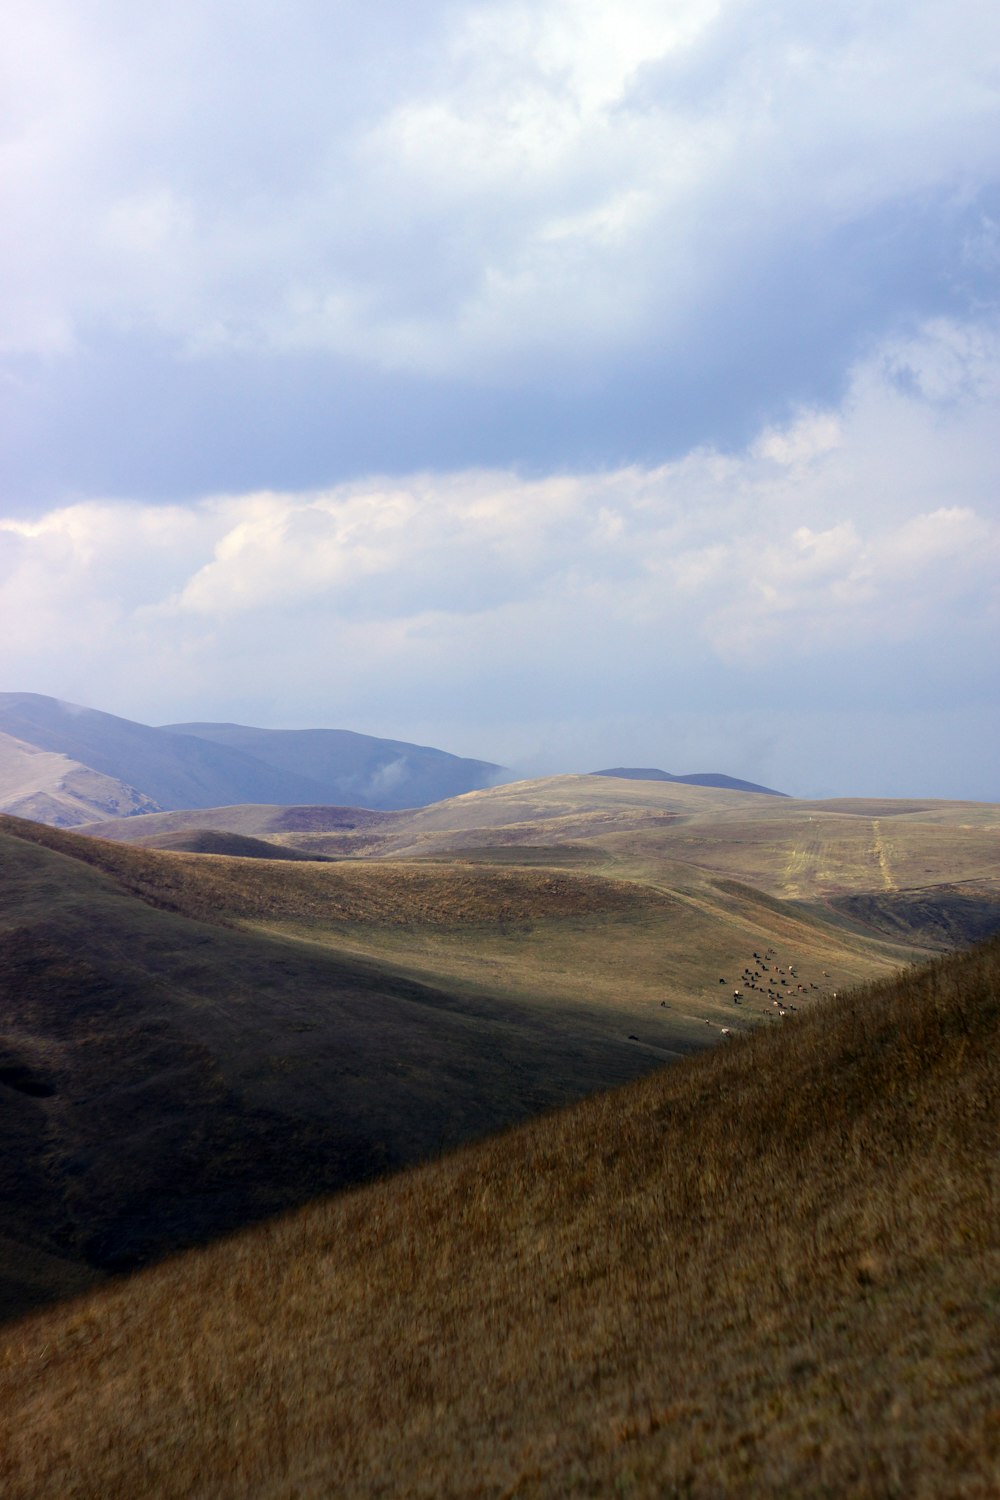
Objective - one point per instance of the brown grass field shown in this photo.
(770, 1269)
(773, 1269)
(785, 847)
(167, 1075)
(195, 1040)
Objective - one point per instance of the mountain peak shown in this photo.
(693, 778)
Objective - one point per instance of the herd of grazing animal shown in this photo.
(771, 981)
(767, 980)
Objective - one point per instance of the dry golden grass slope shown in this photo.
(845, 890)
(771, 1270)
(193, 1040)
(648, 950)
(786, 847)
(166, 1076)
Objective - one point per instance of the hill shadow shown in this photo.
(165, 1081)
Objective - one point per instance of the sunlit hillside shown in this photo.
(773, 1269)
(665, 888)
(792, 849)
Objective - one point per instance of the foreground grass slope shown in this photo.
(771, 1269)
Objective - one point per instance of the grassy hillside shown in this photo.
(165, 1077)
(842, 891)
(642, 955)
(791, 849)
(191, 1042)
(773, 1269)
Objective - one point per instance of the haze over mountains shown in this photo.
(65, 764)
(696, 778)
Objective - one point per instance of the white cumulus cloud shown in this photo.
(841, 549)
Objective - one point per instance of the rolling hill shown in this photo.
(890, 865)
(237, 1009)
(773, 1269)
(167, 1075)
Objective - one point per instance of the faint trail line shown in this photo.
(881, 854)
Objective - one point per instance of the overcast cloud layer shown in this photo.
(560, 383)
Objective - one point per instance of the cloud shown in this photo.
(847, 561)
(507, 183)
(270, 251)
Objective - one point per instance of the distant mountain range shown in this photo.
(66, 765)
(696, 778)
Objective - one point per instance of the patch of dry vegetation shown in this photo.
(645, 831)
(774, 1269)
(382, 894)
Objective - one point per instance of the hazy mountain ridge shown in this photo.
(164, 768)
(52, 788)
(368, 772)
(693, 778)
(114, 767)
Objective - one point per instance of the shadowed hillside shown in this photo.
(774, 1269)
(165, 1078)
(236, 845)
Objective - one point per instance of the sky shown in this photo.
(562, 383)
